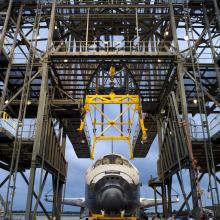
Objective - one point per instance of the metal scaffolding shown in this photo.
(54, 54)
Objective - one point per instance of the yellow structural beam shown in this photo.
(4, 115)
(132, 103)
(112, 98)
(104, 217)
(113, 138)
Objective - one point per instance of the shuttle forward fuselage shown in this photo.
(112, 186)
(112, 189)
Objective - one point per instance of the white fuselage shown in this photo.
(112, 186)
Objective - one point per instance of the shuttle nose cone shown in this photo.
(112, 200)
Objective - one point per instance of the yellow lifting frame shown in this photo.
(112, 98)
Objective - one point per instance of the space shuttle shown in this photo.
(112, 188)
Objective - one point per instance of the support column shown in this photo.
(207, 26)
(164, 198)
(181, 87)
(163, 186)
(155, 199)
(169, 189)
(64, 137)
(137, 24)
(87, 29)
(217, 12)
(40, 114)
(57, 197)
(2, 36)
(11, 56)
(160, 142)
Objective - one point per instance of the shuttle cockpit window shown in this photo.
(112, 159)
(126, 163)
(98, 163)
(106, 161)
(118, 161)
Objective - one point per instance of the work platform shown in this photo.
(54, 163)
(176, 150)
(70, 112)
(171, 163)
(200, 154)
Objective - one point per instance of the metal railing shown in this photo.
(96, 47)
(136, 135)
(199, 130)
(9, 125)
(108, 2)
(88, 138)
(113, 46)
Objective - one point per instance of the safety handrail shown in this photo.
(196, 128)
(107, 46)
(9, 124)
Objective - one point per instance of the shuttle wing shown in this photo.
(147, 203)
(79, 202)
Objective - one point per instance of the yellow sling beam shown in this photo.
(129, 101)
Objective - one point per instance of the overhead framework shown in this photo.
(54, 54)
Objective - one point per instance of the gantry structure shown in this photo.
(55, 54)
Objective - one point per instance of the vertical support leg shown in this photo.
(217, 12)
(169, 189)
(196, 209)
(2, 36)
(218, 180)
(11, 56)
(87, 29)
(37, 140)
(155, 199)
(137, 26)
(164, 198)
(40, 115)
(163, 187)
(207, 26)
(28, 214)
(64, 138)
(159, 169)
(57, 197)
(181, 88)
